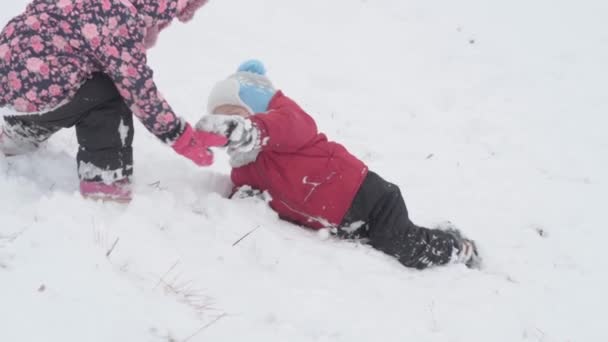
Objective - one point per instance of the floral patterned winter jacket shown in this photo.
(51, 49)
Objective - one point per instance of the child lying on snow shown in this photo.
(274, 146)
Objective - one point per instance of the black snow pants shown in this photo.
(378, 215)
(104, 129)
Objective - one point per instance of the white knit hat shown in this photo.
(248, 88)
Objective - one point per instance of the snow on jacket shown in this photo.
(51, 49)
(312, 181)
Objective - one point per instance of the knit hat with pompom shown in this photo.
(248, 87)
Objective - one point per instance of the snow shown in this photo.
(123, 131)
(489, 114)
(90, 171)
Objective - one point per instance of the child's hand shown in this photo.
(195, 145)
(243, 135)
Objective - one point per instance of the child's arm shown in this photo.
(285, 127)
(122, 56)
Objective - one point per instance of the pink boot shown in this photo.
(119, 191)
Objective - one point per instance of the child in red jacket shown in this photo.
(275, 146)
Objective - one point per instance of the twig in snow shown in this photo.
(187, 294)
(434, 327)
(541, 232)
(11, 238)
(244, 236)
(112, 248)
(155, 184)
(9, 168)
(205, 326)
(542, 334)
(160, 281)
(97, 234)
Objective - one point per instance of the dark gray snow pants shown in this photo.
(104, 129)
(378, 215)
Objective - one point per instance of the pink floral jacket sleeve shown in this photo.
(51, 49)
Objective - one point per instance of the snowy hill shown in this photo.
(490, 114)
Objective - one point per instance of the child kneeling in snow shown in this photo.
(83, 63)
(275, 146)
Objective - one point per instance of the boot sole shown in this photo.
(105, 198)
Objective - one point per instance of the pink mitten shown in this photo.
(195, 145)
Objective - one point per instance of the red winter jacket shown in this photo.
(312, 181)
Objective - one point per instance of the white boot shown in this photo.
(13, 147)
(469, 255)
(465, 251)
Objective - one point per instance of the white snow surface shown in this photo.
(491, 114)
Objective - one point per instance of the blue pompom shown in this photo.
(253, 66)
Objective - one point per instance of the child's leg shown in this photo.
(18, 135)
(105, 136)
(388, 228)
(392, 232)
(104, 128)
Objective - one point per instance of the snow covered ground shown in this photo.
(491, 114)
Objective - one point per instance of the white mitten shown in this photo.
(242, 134)
(244, 140)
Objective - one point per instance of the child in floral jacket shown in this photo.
(83, 63)
(274, 146)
